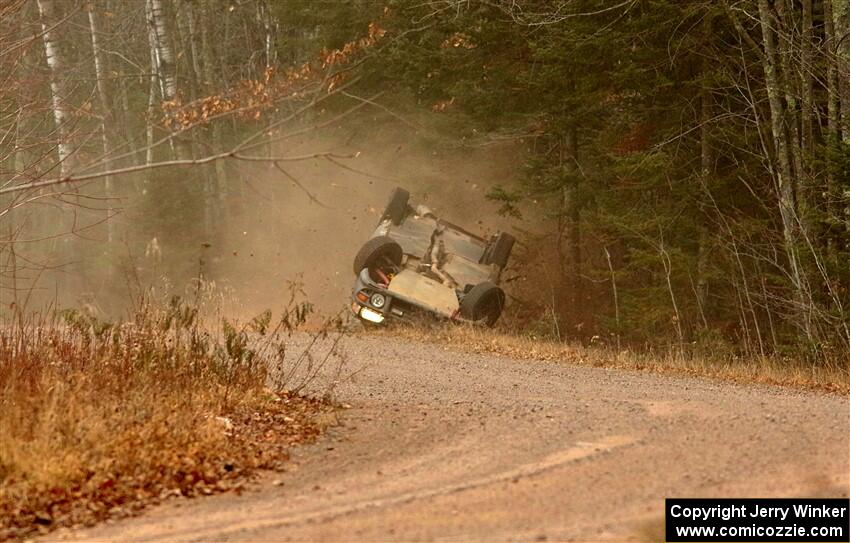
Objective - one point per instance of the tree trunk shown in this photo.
(20, 159)
(841, 28)
(185, 32)
(706, 164)
(783, 171)
(807, 80)
(574, 213)
(192, 21)
(211, 79)
(271, 28)
(706, 167)
(154, 85)
(208, 54)
(166, 66)
(833, 135)
(833, 99)
(570, 209)
(787, 78)
(58, 90)
(105, 118)
(168, 76)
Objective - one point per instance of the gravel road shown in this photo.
(440, 445)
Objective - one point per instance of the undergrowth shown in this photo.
(98, 419)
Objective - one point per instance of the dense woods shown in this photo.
(689, 160)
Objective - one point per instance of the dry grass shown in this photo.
(98, 420)
(773, 371)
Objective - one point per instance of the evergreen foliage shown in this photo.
(690, 156)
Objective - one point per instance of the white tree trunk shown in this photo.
(55, 62)
(270, 26)
(167, 71)
(163, 57)
(154, 85)
(105, 116)
(165, 54)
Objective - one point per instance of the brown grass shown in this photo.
(786, 372)
(98, 420)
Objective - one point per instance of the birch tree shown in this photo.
(58, 88)
(167, 72)
(105, 115)
(270, 28)
(725, 137)
(166, 67)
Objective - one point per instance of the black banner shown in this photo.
(762, 520)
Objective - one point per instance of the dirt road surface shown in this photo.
(445, 446)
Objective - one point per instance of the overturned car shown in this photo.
(417, 263)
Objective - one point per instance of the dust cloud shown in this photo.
(281, 234)
(305, 227)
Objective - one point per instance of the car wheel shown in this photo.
(500, 250)
(378, 251)
(483, 303)
(397, 207)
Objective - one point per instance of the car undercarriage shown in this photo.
(418, 263)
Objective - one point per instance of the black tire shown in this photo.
(500, 250)
(397, 206)
(377, 250)
(483, 303)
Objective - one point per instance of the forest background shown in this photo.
(678, 172)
